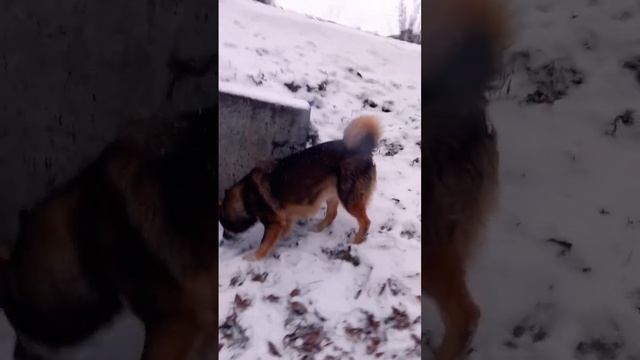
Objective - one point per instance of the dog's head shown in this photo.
(234, 215)
(237, 211)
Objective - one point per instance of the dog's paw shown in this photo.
(250, 257)
(318, 228)
(359, 238)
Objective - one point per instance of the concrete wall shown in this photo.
(256, 126)
(74, 72)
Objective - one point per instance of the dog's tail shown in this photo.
(362, 134)
(463, 43)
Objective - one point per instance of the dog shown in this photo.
(135, 228)
(278, 193)
(462, 54)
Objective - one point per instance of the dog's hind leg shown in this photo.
(332, 212)
(355, 184)
(444, 279)
(359, 211)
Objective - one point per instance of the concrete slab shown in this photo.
(68, 84)
(256, 125)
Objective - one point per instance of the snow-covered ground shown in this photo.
(315, 295)
(377, 16)
(558, 276)
(122, 339)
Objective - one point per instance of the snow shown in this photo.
(337, 70)
(121, 339)
(377, 16)
(265, 96)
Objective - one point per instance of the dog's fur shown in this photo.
(135, 228)
(461, 55)
(278, 193)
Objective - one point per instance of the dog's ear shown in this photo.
(262, 185)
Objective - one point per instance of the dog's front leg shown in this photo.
(272, 232)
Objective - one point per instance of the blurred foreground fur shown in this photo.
(136, 227)
(462, 48)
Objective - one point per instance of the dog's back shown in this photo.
(464, 40)
(298, 178)
(341, 169)
(293, 177)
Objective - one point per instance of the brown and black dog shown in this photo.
(461, 55)
(136, 228)
(278, 193)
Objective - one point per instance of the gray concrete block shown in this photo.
(73, 74)
(255, 125)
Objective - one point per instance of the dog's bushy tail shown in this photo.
(362, 134)
(462, 49)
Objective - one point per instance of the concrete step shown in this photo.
(256, 125)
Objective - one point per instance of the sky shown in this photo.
(378, 16)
